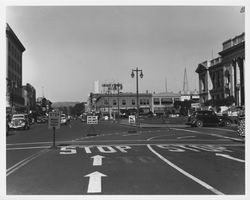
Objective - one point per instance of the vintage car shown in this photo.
(63, 119)
(205, 118)
(19, 121)
(208, 118)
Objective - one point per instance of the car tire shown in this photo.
(199, 123)
(227, 123)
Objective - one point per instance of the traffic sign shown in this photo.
(92, 119)
(131, 119)
(54, 120)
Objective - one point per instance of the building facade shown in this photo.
(29, 95)
(223, 77)
(109, 104)
(15, 49)
(164, 102)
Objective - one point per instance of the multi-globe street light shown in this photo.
(137, 88)
(118, 86)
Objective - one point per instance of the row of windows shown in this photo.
(15, 66)
(164, 101)
(124, 102)
(156, 101)
(14, 78)
(13, 50)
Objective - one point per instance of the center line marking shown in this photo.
(24, 162)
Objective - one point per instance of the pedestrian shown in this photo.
(69, 121)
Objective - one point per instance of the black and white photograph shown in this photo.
(130, 100)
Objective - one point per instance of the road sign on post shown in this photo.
(131, 119)
(92, 119)
(54, 122)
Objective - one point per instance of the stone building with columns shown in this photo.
(223, 76)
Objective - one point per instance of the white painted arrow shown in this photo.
(95, 184)
(97, 160)
(229, 157)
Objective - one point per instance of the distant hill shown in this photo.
(63, 104)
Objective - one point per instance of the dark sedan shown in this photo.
(204, 118)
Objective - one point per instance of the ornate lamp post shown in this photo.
(137, 90)
(117, 87)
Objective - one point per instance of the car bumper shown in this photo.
(16, 127)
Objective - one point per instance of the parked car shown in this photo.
(63, 119)
(42, 119)
(229, 120)
(19, 121)
(204, 118)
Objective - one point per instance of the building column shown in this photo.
(237, 82)
(232, 86)
(242, 80)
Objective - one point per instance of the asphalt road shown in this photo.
(113, 159)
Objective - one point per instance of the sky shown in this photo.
(69, 47)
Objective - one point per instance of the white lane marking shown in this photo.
(31, 143)
(15, 144)
(97, 160)
(211, 134)
(23, 148)
(130, 144)
(191, 136)
(229, 157)
(219, 129)
(202, 183)
(131, 134)
(95, 184)
(24, 162)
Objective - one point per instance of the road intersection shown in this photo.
(157, 161)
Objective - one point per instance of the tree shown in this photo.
(78, 109)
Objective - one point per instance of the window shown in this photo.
(133, 102)
(203, 84)
(213, 81)
(143, 101)
(176, 99)
(218, 79)
(156, 101)
(106, 102)
(114, 102)
(165, 101)
(124, 102)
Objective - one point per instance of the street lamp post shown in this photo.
(137, 90)
(118, 86)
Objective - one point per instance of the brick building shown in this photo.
(14, 51)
